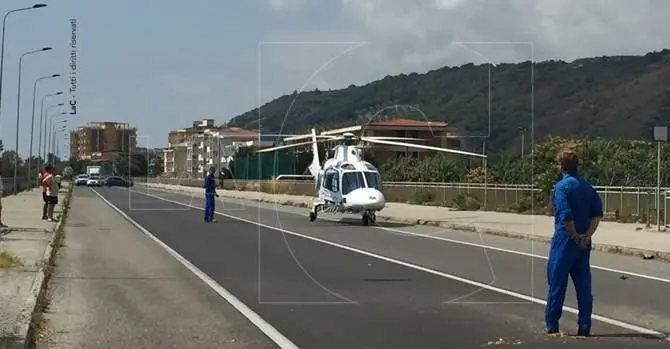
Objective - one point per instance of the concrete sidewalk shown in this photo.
(622, 238)
(24, 250)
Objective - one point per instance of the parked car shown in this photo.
(94, 181)
(81, 179)
(114, 181)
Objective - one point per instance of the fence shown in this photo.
(22, 184)
(636, 203)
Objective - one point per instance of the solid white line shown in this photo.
(499, 249)
(600, 318)
(527, 254)
(257, 320)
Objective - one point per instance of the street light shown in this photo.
(2, 44)
(18, 110)
(32, 119)
(43, 123)
(51, 129)
(47, 130)
(53, 142)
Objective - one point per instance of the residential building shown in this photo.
(101, 141)
(191, 151)
(430, 133)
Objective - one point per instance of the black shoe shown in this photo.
(583, 333)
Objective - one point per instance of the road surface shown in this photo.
(340, 285)
(115, 288)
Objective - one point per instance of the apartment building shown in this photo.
(192, 150)
(102, 140)
(430, 133)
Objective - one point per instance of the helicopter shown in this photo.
(346, 183)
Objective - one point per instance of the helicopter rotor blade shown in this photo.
(396, 138)
(280, 147)
(419, 146)
(305, 136)
(288, 146)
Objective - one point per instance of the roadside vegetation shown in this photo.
(613, 163)
(9, 260)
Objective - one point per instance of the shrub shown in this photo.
(467, 202)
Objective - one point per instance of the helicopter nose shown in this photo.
(367, 198)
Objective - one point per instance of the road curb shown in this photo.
(24, 330)
(612, 249)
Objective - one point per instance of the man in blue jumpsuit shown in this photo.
(577, 211)
(210, 195)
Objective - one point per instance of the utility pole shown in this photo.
(660, 135)
(522, 131)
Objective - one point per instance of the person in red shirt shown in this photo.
(44, 194)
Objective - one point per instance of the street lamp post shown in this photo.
(2, 44)
(660, 136)
(18, 112)
(54, 141)
(43, 124)
(51, 128)
(32, 119)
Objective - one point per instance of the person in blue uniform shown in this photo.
(577, 211)
(210, 195)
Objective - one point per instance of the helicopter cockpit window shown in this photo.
(352, 181)
(374, 180)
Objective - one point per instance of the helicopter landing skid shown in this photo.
(368, 216)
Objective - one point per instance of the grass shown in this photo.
(8, 260)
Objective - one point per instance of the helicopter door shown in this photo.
(330, 186)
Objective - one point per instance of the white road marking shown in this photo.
(505, 250)
(257, 320)
(527, 254)
(524, 297)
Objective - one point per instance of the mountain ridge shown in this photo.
(607, 96)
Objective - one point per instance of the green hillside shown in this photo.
(610, 97)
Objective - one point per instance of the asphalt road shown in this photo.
(115, 288)
(626, 297)
(324, 296)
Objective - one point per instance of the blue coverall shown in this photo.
(210, 193)
(574, 200)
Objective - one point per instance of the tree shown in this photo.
(130, 165)
(569, 101)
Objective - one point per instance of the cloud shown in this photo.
(408, 29)
(404, 36)
(288, 5)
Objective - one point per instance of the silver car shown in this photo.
(81, 179)
(94, 180)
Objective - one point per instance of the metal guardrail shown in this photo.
(634, 202)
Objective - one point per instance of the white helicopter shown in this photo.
(346, 183)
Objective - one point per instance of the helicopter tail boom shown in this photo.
(315, 167)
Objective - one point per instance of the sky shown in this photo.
(160, 64)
